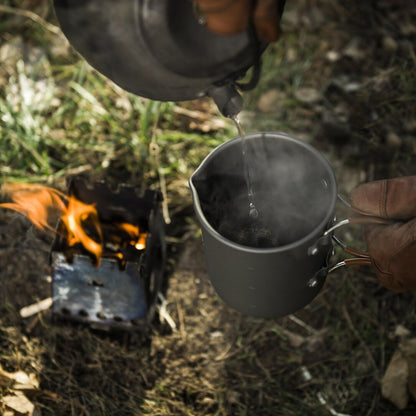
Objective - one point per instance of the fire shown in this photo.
(138, 238)
(34, 201)
(38, 203)
(75, 214)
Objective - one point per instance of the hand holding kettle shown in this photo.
(226, 17)
(391, 246)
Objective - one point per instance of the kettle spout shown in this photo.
(228, 99)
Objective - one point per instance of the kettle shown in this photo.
(160, 49)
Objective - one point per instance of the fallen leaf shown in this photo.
(408, 349)
(394, 381)
(401, 331)
(18, 380)
(354, 51)
(19, 403)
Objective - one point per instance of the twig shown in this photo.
(373, 404)
(302, 324)
(223, 355)
(265, 370)
(357, 335)
(331, 410)
(181, 321)
(163, 312)
(154, 151)
(35, 308)
(33, 16)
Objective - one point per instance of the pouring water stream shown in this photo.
(253, 213)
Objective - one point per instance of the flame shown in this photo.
(73, 217)
(37, 202)
(138, 238)
(34, 201)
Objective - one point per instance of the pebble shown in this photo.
(389, 44)
(308, 95)
(393, 140)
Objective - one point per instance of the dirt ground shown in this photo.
(343, 79)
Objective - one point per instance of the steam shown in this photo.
(291, 189)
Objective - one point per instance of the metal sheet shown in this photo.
(105, 294)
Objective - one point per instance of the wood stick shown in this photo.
(35, 308)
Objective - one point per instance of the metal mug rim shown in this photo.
(318, 229)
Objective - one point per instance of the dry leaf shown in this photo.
(408, 349)
(394, 381)
(18, 380)
(19, 403)
(401, 331)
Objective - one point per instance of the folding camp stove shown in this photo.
(122, 291)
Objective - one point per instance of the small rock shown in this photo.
(389, 44)
(308, 95)
(393, 140)
(291, 55)
(333, 56)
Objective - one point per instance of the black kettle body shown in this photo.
(158, 49)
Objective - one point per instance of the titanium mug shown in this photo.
(276, 263)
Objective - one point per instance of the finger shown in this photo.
(393, 252)
(387, 198)
(266, 20)
(226, 17)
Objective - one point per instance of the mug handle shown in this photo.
(361, 257)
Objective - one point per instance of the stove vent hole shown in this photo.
(97, 283)
(83, 313)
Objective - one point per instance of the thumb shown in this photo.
(387, 198)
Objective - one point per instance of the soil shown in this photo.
(356, 105)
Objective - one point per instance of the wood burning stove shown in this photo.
(120, 289)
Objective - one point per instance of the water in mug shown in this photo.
(272, 198)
